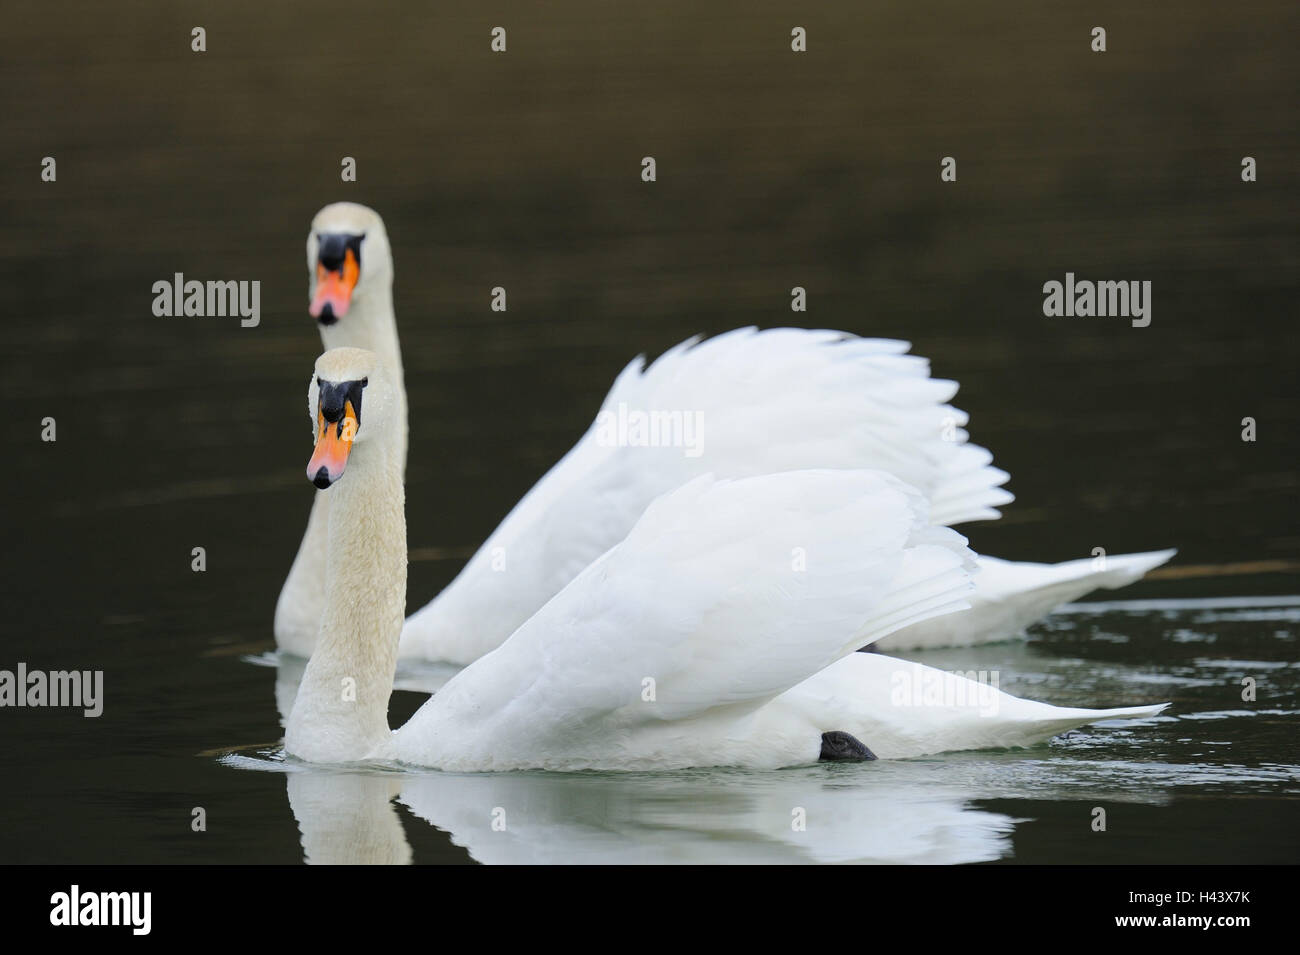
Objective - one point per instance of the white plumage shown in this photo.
(664, 651)
(718, 633)
(767, 402)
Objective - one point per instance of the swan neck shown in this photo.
(371, 324)
(341, 712)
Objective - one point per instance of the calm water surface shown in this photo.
(1174, 786)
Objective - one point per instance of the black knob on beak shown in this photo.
(333, 248)
(334, 398)
(331, 403)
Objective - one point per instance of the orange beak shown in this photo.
(334, 289)
(333, 444)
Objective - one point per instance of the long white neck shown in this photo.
(341, 712)
(371, 324)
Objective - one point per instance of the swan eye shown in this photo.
(365, 381)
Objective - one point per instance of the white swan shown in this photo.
(696, 641)
(781, 399)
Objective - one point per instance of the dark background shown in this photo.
(775, 169)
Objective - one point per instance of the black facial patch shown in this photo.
(334, 397)
(334, 247)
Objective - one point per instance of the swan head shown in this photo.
(347, 257)
(350, 404)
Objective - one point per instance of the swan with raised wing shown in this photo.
(720, 632)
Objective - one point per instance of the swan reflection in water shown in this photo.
(907, 811)
(816, 814)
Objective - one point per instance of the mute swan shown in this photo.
(696, 641)
(781, 399)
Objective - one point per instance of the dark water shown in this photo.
(522, 170)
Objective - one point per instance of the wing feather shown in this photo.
(766, 401)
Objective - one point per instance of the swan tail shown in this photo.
(1060, 718)
(1009, 596)
(901, 709)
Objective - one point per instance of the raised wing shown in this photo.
(744, 403)
(724, 595)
